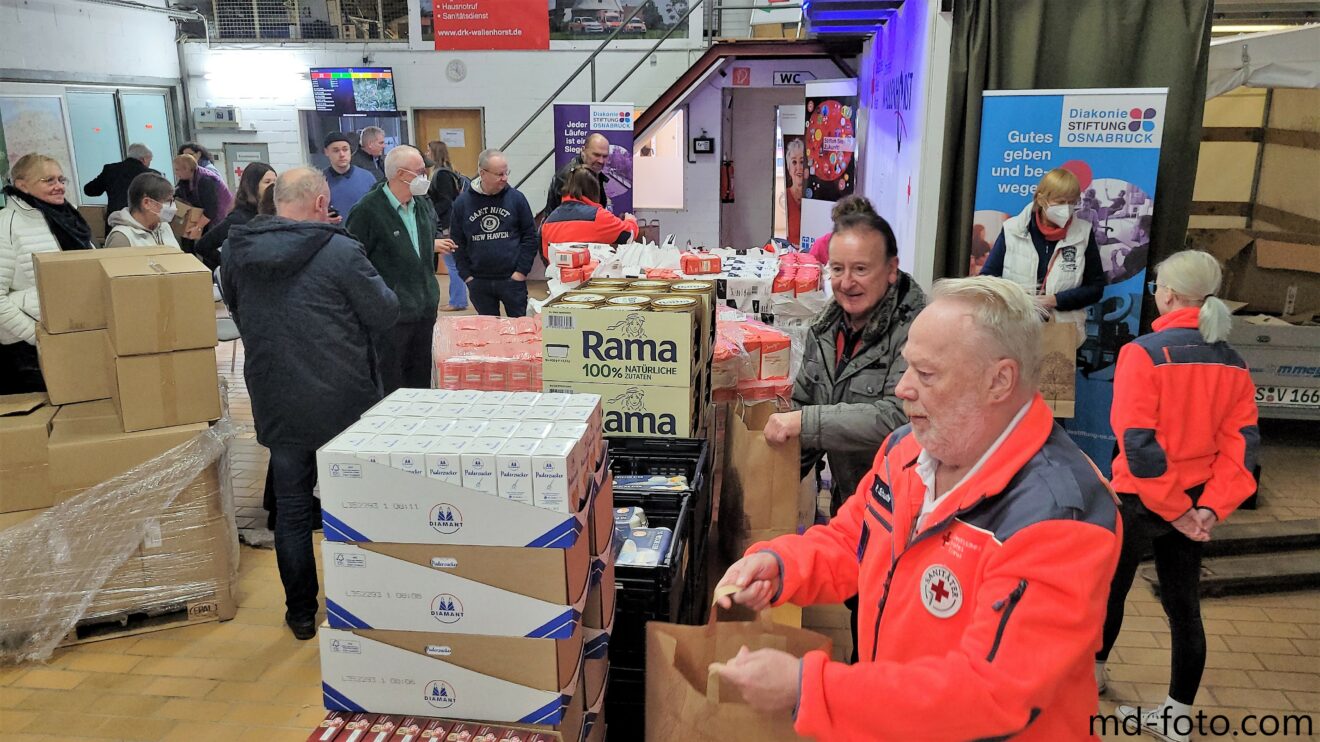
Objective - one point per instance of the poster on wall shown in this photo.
(36, 123)
(831, 151)
(790, 172)
(1110, 140)
(489, 24)
(575, 121)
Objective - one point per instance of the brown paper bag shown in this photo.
(1058, 367)
(759, 497)
(686, 701)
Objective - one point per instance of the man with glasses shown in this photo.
(395, 222)
(495, 239)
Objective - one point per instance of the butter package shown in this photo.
(630, 517)
(515, 470)
(650, 483)
(645, 547)
(481, 466)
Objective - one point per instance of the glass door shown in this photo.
(147, 121)
(95, 126)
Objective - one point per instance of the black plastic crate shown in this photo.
(657, 592)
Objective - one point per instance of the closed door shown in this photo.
(95, 126)
(460, 128)
(147, 120)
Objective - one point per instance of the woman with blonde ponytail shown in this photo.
(1184, 416)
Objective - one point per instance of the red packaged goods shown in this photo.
(807, 280)
(785, 281)
(589, 269)
(434, 729)
(529, 326)
(570, 275)
(790, 258)
(661, 273)
(415, 729)
(329, 727)
(572, 257)
(487, 353)
(695, 264)
(775, 353)
(462, 733)
(805, 258)
(357, 728)
(383, 729)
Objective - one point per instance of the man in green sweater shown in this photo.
(395, 222)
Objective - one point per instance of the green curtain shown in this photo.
(1052, 44)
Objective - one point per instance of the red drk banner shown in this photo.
(491, 24)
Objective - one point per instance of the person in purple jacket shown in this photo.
(202, 188)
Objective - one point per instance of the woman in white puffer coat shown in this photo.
(36, 218)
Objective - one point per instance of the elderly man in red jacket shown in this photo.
(981, 545)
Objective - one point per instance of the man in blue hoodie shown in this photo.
(312, 310)
(495, 238)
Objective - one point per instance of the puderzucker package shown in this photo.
(503, 679)
(489, 590)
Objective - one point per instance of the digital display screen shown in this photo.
(354, 90)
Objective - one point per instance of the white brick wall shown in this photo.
(79, 41)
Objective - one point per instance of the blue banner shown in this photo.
(1109, 139)
(575, 121)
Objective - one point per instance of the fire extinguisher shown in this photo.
(726, 181)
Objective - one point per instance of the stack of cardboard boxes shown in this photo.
(126, 344)
(461, 532)
(644, 346)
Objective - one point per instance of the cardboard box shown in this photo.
(76, 365)
(70, 286)
(25, 421)
(644, 348)
(602, 519)
(158, 304)
(601, 596)
(488, 590)
(1274, 272)
(641, 410)
(188, 553)
(88, 446)
(363, 501)
(166, 389)
(95, 218)
(188, 221)
(509, 679)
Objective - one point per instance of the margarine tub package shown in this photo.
(630, 517)
(650, 483)
(645, 547)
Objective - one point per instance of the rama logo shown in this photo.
(447, 608)
(440, 694)
(629, 415)
(445, 519)
(1142, 119)
(628, 342)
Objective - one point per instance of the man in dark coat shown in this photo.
(595, 153)
(370, 155)
(114, 179)
(311, 309)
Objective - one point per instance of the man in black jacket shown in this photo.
(495, 238)
(595, 153)
(114, 179)
(311, 309)
(370, 155)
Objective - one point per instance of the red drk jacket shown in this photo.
(981, 624)
(580, 220)
(1184, 415)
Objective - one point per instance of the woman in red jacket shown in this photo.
(581, 218)
(1184, 414)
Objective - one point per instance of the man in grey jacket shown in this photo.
(312, 311)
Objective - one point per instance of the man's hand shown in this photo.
(1208, 520)
(757, 578)
(766, 678)
(1189, 525)
(1048, 301)
(517, 276)
(629, 217)
(782, 427)
(445, 246)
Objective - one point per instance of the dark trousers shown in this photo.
(405, 356)
(487, 294)
(19, 371)
(268, 502)
(294, 474)
(851, 604)
(1178, 564)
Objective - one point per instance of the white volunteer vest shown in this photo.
(1067, 262)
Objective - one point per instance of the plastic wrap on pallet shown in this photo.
(157, 536)
(752, 360)
(488, 353)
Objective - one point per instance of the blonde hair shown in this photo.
(30, 165)
(188, 162)
(1005, 313)
(1057, 184)
(1195, 277)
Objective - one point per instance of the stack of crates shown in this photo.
(671, 591)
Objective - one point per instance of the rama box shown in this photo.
(364, 502)
(158, 304)
(500, 679)
(639, 348)
(489, 590)
(641, 410)
(70, 286)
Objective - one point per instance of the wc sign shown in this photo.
(786, 78)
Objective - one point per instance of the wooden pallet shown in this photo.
(119, 625)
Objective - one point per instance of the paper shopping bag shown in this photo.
(686, 701)
(1058, 367)
(759, 497)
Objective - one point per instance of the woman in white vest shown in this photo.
(36, 218)
(1052, 253)
(145, 222)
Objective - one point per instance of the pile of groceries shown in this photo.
(488, 353)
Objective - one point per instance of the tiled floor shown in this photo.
(249, 679)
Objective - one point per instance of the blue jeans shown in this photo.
(458, 293)
(488, 294)
(294, 473)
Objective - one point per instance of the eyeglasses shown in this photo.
(53, 179)
(507, 172)
(1152, 287)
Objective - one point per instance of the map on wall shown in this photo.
(35, 124)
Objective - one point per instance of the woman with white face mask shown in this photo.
(146, 220)
(1050, 252)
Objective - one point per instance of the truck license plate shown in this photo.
(1284, 396)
